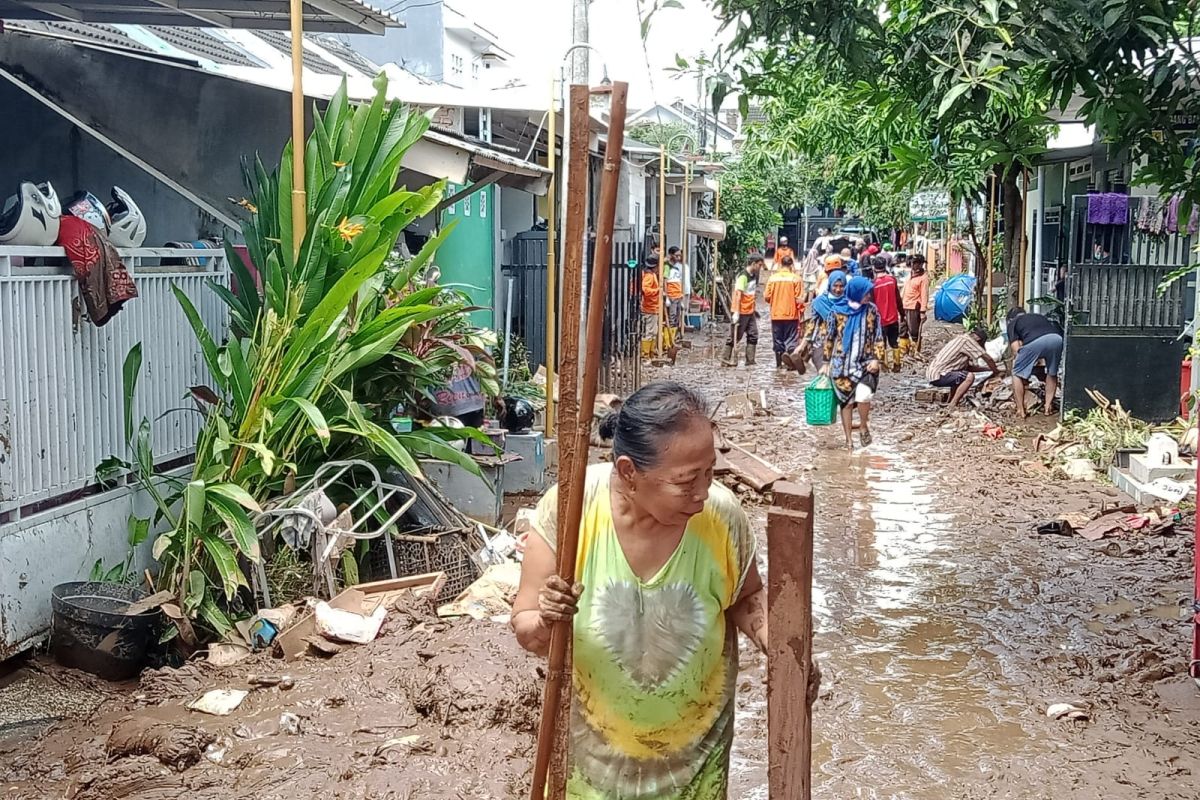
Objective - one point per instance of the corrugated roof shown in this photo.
(330, 16)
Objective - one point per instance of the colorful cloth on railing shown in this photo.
(1108, 208)
(104, 283)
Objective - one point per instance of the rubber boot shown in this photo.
(897, 361)
(779, 361)
(728, 359)
(750, 348)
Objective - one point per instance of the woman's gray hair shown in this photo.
(649, 417)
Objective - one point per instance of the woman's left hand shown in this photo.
(873, 367)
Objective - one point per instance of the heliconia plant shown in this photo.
(302, 339)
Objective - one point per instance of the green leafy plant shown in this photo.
(123, 572)
(288, 382)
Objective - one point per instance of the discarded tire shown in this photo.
(89, 629)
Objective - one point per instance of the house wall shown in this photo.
(455, 47)
(72, 160)
(468, 255)
(419, 47)
(517, 214)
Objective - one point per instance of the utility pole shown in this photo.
(579, 35)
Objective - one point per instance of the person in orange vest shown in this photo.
(745, 314)
(651, 301)
(782, 251)
(784, 293)
(674, 287)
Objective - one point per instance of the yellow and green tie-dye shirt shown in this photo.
(655, 662)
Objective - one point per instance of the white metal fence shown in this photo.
(61, 405)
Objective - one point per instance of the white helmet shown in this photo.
(30, 217)
(128, 226)
(88, 208)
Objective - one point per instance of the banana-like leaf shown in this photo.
(240, 379)
(143, 449)
(235, 494)
(284, 212)
(384, 442)
(333, 306)
(315, 418)
(422, 258)
(414, 204)
(335, 113)
(129, 379)
(193, 505)
(242, 322)
(367, 134)
(276, 284)
(217, 619)
(241, 529)
(422, 444)
(207, 345)
(225, 560)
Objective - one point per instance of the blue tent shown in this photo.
(954, 297)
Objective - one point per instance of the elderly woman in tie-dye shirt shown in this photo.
(668, 577)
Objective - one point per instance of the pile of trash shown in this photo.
(428, 707)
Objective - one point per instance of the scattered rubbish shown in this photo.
(490, 596)
(289, 723)
(993, 431)
(751, 470)
(1080, 469)
(342, 625)
(215, 752)
(262, 633)
(284, 682)
(1067, 711)
(364, 598)
(1103, 525)
(1056, 527)
(226, 654)
(219, 702)
(496, 549)
(1170, 490)
(745, 404)
(156, 600)
(409, 743)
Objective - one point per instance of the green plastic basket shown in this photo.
(820, 406)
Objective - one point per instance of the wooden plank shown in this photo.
(756, 473)
(145, 604)
(722, 466)
(789, 651)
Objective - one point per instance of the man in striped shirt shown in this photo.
(954, 364)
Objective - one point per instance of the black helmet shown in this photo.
(518, 414)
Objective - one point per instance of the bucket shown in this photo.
(820, 406)
(89, 629)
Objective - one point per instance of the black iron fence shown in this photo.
(620, 369)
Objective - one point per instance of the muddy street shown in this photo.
(945, 626)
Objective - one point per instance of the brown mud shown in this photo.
(430, 709)
(945, 626)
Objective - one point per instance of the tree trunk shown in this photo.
(1014, 226)
(981, 271)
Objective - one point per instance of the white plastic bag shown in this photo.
(346, 626)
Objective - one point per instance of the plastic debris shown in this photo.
(347, 626)
(219, 702)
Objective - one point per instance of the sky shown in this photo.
(538, 32)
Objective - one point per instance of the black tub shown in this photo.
(89, 629)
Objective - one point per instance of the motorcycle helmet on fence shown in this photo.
(127, 227)
(30, 217)
(518, 414)
(88, 207)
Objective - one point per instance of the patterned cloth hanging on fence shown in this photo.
(104, 283)
(1108, 208)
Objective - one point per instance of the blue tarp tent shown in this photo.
(954, 297)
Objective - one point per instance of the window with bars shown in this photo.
(456, 65)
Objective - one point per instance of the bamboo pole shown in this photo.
(571, 465)
(685, 209)
(662, 240)
(991, 242)
(551, 265)
(715, 269)
(299, 197)
(1022, 239)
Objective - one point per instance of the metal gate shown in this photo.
(1121, 330)
(620, 370)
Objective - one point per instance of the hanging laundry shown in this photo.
(1108, 208)
(104, 283)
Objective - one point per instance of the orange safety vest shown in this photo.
(650, 293)
(784, 289)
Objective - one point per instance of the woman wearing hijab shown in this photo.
(853, 352)
(819, 314)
